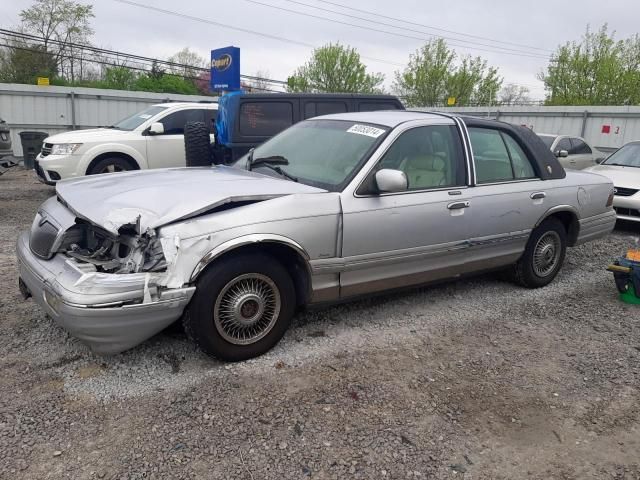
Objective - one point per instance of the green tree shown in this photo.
(166, 83)
(335, 69)
(433, 75)
(119, 78)
(23, 63)
(60, 24)
(598, 70)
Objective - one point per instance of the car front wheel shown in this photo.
(543, 256)
(242, 307)
(110, 165)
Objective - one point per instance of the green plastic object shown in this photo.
(630, 296)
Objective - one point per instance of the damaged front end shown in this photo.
(129, 252)
(108, 290)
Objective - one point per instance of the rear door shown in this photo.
(580, 154)
(506, 202)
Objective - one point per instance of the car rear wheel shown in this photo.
(242, 307)
(543, 256)
(110, 165)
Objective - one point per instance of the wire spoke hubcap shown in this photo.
(247, 308)
(546, 254)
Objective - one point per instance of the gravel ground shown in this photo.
(472, 379)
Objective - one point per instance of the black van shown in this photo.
(245, 120)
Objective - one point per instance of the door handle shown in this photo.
(538, 195)
(458, 205)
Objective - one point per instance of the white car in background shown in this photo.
(153, 138)
(572, 152)
(623, 168)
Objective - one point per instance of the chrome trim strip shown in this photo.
(340, 265)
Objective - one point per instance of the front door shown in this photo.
(167, 149)
(414, 236)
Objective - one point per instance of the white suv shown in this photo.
(153, 138)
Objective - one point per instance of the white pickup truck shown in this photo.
(153, 138)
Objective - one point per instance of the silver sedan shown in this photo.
(333, 208)
(623, 168)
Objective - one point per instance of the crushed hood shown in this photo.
(161, 196)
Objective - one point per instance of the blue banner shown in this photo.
(225, 69)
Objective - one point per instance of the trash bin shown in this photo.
(31, 146)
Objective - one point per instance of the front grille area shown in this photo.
(43, 236)
(625, 192)
(629, 212)
(46, 149)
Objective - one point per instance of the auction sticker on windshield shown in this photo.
(366, 130)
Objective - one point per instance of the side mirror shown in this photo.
(156, 129)
(390, 181)
(561, 153)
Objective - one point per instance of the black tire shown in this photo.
(215, 318)
(111, 165)
(197, 145)
(543, 256)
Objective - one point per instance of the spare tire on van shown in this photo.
(197, 144)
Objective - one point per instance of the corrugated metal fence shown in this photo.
(59, 109)
(606, 128)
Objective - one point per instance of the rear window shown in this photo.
(265, 119)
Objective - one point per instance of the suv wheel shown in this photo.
(242, 307)
(543, 256)
(110, 165)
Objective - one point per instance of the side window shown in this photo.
(490, 155)
(431, 157)
(564, 144)
(310, 110)
(498, 157)
(265, 119)
(327, 108)
(315, 109)
(521, 165)
(375, 106)
(579, 147)
(174, 122)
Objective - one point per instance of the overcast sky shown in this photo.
(537, 27)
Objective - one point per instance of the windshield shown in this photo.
(137, 119)
(321, 153)
(627, 156)
(547, 139)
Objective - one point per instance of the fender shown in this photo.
(244, 240)
(112, 147)
(556, 209)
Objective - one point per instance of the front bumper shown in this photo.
(627, 208)
(65, 166)
(108, 312)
